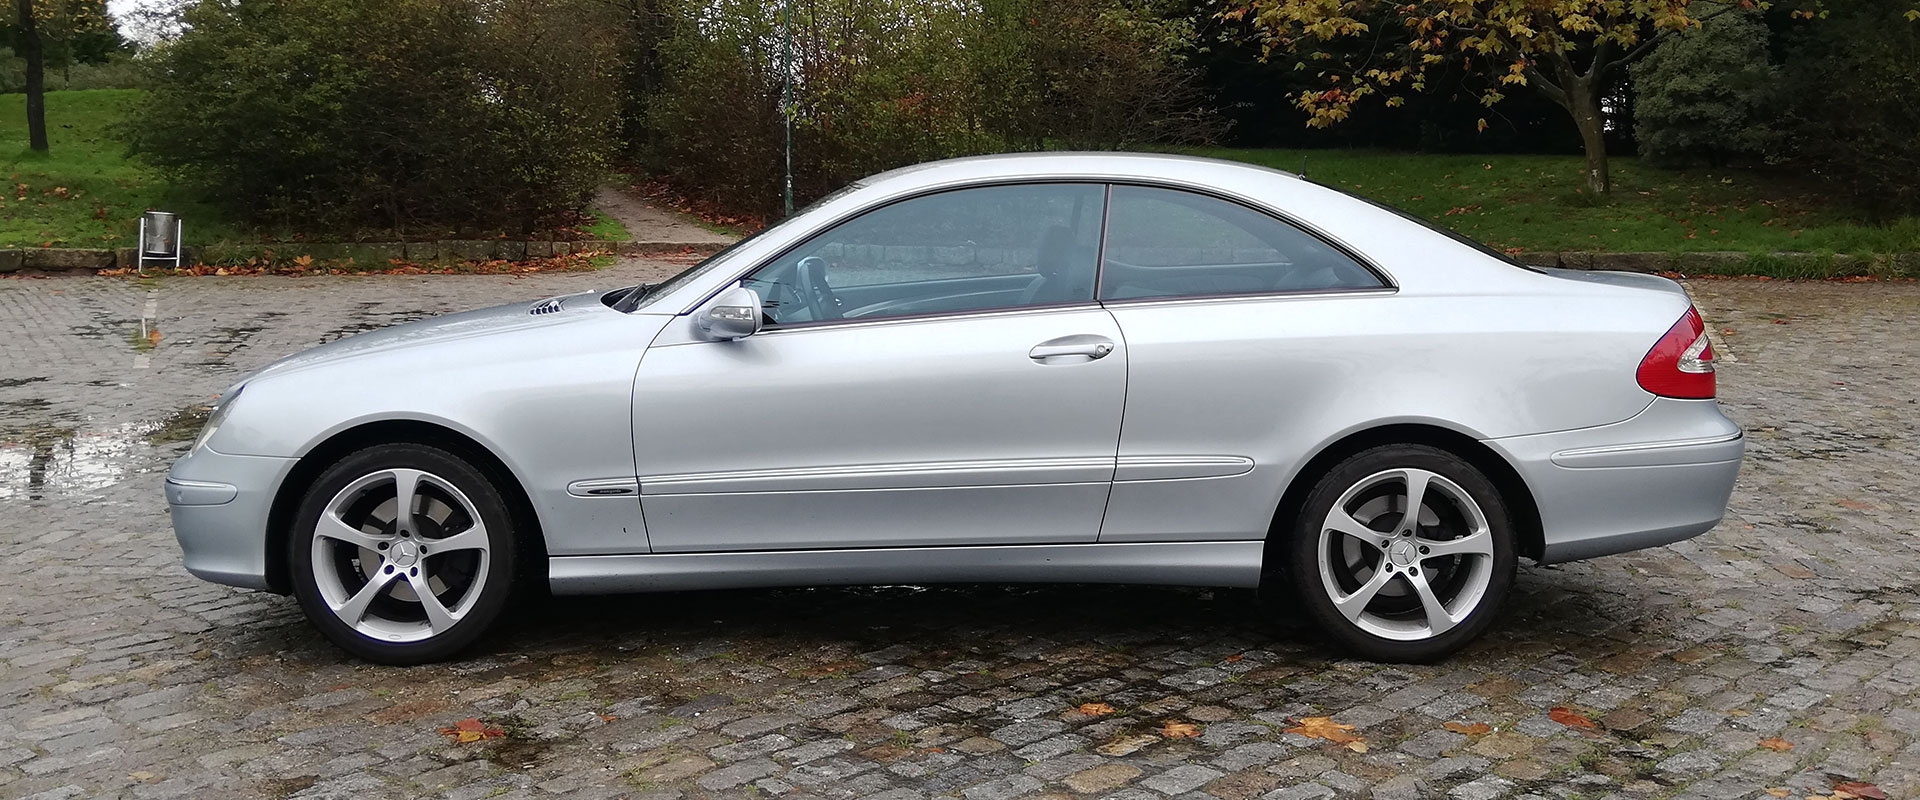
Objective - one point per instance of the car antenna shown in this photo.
(1303, 165)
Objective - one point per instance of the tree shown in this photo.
(1567, 50)
(56, 33)
(462, 115)
(1706, 94)
(1850, 98)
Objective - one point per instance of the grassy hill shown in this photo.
(1536, 202)
(83, 192)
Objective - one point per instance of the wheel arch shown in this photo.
(1513, 488)
(286, 500)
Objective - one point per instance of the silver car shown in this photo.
(1057, 367)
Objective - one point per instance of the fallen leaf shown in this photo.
(1777, 791)
(1357, 745)
(153, 338)
(1570, 718)
(1095, 709)
(470, 730)
(1859, 789)
(1326, 728)
(1126, 745)
(1175, 729)
(1475, 729)
(1776, 744)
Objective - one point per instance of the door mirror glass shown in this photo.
(735, 314)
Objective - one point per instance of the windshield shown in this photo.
(646, 293)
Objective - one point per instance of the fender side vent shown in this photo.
(546, 307)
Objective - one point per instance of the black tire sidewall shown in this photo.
(1303, 557)
(488, 501)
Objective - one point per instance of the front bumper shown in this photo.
(220, 504)
(1663, 476)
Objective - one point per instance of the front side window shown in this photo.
(1164, 243)
(962, 250)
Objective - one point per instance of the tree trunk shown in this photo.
(36, 77)
(1583, 101)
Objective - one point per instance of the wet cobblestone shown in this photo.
(1797, 620)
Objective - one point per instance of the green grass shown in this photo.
(606, 228)
(84, 192)
(1533, 202)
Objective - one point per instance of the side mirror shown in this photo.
(735, 314)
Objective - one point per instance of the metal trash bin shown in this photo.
(159, 238)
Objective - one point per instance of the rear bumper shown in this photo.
(220, 505)
(1663, 476)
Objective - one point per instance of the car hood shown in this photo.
(499, 319)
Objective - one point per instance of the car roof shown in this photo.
(1101, 165)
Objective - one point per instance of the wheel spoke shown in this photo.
(473, 538)
(355, 609)
(1351, 605)
(332, 527)
(1417, 480)
(406, 485)
(1478, 543)
(1438, 620)
(1339, 521)
(438, 617)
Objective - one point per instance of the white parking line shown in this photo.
(149, 315)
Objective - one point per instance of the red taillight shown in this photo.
(1681, 363)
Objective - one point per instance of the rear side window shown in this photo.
(1164, 243)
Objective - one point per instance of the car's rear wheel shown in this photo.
(1402, 553)
(403, 554)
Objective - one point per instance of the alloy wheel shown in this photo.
(1405, 554)
(400, 555)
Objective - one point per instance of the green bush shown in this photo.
(1852, 89)
(1706, 95)
(885, 83)
(392, 114)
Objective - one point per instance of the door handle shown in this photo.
(1086, 345)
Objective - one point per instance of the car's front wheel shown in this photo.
(402, 554)
(1402, 553)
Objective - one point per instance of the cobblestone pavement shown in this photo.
(1778, 656)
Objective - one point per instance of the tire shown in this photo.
(1385, 592)
(359, 578)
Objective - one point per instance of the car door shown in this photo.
(1227, 310)
(932, 372)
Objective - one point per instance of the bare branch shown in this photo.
(1539, 81)
(1633, 55)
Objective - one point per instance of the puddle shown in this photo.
(52, 460)
(56, 456)
(183, 426)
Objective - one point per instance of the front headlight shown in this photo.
(219, 414)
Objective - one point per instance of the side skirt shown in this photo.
(1235, 564)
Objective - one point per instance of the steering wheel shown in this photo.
(810, 277)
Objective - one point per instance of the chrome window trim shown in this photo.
(1105, 181)
(1296, 294)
